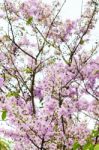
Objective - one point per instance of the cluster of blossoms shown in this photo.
(47, 125)
(46, 81)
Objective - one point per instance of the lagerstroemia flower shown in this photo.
(1, 82)
(48, 80)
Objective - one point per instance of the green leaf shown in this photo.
(81, 42)
(28, 70)
(76, 146)
(51, 61)
(95, 133)
(97, 72)
(96, 147)
(29, 21)
(4, 114)
(88, 146)
(4, 145)
(13, 93)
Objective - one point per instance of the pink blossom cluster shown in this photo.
(48, 80)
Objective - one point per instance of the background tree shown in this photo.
(46, 60)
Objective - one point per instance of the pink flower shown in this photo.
(2, 57)
(1, 82)
(38, 92)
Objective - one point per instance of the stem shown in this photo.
(42, 144)
(32, 92)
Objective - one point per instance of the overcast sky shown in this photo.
(71, 9)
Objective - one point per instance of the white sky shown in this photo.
(71, 9)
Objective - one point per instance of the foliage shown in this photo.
(4, 114)
(4, 145)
